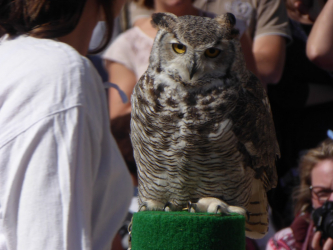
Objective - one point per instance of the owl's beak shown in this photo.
(192, 69)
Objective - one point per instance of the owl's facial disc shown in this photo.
(194, 64)
(192, 57)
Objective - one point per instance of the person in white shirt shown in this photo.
(63, 182)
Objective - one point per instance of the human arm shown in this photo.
(126, 80)
(271, 34)
(122, 60)
(316, 242)
(269, 55)
(319, 48)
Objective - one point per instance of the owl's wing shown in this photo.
(254, 128)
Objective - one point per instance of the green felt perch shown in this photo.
(159, 230)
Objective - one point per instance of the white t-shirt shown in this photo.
(63, 182)
(131, 49)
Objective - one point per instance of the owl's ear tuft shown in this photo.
(164, 20)
(228, 21)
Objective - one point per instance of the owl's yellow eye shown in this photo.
(179, 48)
(212, 52)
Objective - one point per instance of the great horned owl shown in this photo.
(201, 126)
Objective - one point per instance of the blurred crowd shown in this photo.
(287, 44)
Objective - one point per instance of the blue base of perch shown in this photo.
(159, 230)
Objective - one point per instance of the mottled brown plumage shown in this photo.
(201, 124)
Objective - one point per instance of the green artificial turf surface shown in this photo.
(160, 230)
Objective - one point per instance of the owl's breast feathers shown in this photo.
(217, 122)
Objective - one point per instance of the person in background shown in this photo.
(63, 181)
(316, 187)
(319, 47)
(264, 32)
(302, 106)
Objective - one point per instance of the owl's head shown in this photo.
(194, 50)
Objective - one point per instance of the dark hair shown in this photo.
(302, 194)
(49, 18)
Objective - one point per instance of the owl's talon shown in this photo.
(167, 207)
(191, 207)
(151, 205)
(238, 210)
(215, 206)
(218, 209)
(143, 207)
(188, 207)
